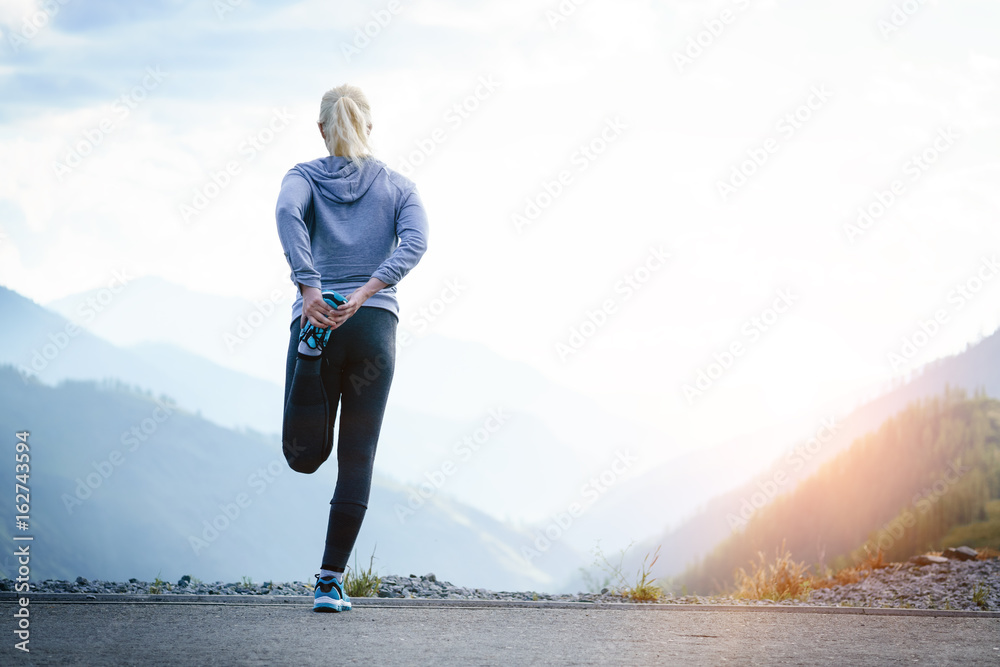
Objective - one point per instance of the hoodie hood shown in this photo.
(339, 179)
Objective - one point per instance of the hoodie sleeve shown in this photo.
(411, 230)
(293, 201)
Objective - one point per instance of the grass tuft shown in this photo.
(981, 595)
(783, 579)
(157, 586)
(360, 583)
(644, 589)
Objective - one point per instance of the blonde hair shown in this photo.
(346, 118)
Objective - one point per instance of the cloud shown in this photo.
(559, 85)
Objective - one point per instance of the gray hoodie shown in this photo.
(342, 222)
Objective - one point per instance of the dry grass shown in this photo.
(782, 579)
(849, 575)
(874, 562)
(986, 553)
(785, 579)
(852, 575)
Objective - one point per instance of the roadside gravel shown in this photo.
(972, 585)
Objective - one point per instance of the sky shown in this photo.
(712, 217)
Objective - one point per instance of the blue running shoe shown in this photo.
(314, 337)
(330, 596)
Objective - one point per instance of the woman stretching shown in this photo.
(351, 229)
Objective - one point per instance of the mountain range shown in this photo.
(554, 442)
(124, 483)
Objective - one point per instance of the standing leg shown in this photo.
(364, 381)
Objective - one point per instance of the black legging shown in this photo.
(356, 369)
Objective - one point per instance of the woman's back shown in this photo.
(350, 215)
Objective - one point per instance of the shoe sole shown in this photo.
(328, 605)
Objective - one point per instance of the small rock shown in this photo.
(604, 591)
(430, 577)
(928, 560)
(184, 581)
(961, 553)
(82, 581)
(133, 580)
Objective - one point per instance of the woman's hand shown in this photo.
(314, 309)
(355, 300)
(343, 312)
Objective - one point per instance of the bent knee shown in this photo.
(303, 464)
(305, 467)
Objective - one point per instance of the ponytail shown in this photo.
(346, 116)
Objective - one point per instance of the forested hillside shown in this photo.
(928, 471)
